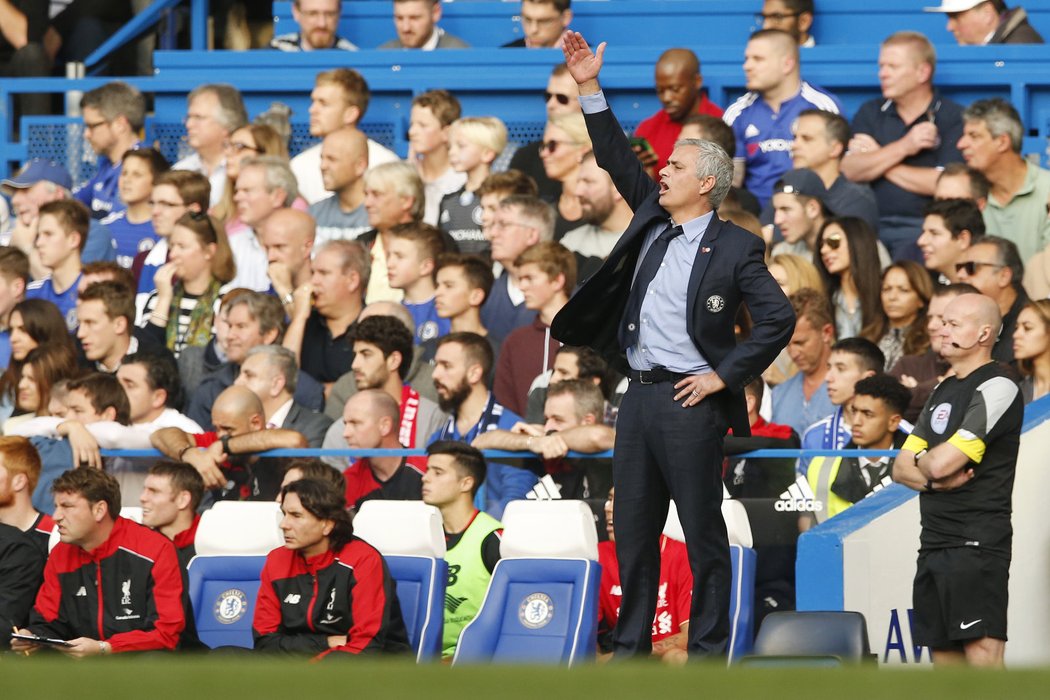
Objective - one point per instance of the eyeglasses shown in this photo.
(314, 15)
(761, 17)
(240, 147)
(832, 240)
(970, 268)
(562, 99)
(94, 125)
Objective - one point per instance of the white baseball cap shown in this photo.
(950, 6)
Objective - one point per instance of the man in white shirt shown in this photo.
(214, 112)
(339, 98)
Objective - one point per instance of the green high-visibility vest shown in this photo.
(468, 579)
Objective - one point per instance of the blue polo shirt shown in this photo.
(879, 119)
(130, 239)
(764, 137)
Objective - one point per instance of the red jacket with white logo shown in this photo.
(127, 591)
(350, 592)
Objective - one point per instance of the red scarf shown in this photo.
(406, 434)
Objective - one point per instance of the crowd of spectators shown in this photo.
(241, 300)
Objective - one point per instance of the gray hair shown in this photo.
(117, 99)
(277, 175)
(231, 113)
(281, 359)
(353, 257)
(1000, 117)
(402, 179)
(712, 161)
(1007, 254)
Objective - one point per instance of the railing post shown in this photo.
(199, 25)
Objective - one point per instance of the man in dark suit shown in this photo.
(662, 309)
(270, 372)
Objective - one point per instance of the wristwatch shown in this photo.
(226, 444)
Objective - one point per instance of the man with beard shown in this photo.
(605, 212)
(462, 367)
(318, 21)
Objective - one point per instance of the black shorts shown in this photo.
(959, 595)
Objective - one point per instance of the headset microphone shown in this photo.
(971, 346)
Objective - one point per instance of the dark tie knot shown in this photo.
(671, 233)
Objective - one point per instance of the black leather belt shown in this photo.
(655, 376)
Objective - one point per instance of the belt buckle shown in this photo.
(645, 377)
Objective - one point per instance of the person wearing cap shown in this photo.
(821, 138)
(991, 144)
(113, 117)
(34, 185)
(799, 210)
(903, 139)
(981, 22)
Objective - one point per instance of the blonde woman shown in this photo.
(565, 140)
(792, 273)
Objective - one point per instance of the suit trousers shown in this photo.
(665, 451)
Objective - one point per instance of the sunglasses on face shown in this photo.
(832, 240)
(551, 146)
(970, 268)
(562, 99)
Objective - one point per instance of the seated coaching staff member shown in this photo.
(672, 315)
(325, 590)
(110, 584)
(962, 456)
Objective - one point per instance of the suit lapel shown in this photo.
(703, 255)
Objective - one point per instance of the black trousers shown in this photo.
(665, 451)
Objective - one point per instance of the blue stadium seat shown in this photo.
(232, 542)
(542, 603)
(824, 638)
(409, 536)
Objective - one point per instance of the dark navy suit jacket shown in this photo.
(729, 270)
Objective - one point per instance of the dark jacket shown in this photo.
(729, 264)
(308, 392)
(21, 572)
(311, 424)
(304, 601)
(127, 591)
(1014, 29)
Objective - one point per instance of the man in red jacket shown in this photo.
(110, 585)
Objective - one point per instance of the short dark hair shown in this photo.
(836, 128)
(477, 272)
(476, 349)
(891, 392)
(980, 185)
(323, 500)
(104, 391)
(509, 182)
(162, 372)
(386, 333)
(156, 161)
(814, 306)
(714, 129)
(94, 485)
(958, 215)
(441, 103)
(72, 215)
(117, 299)
(183, 477)
(428, 240)
(955, 289)
(1008, 255)
(313, 468)
(110, 270)
(14, 264)
(868, 355)
(559, 5)
(468, 460)
(117, 99)
(590, 364)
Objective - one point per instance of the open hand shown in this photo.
(583, 64)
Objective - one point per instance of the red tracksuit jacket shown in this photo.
(127, 592)
(350, 592)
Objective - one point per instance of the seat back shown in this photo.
(409, 536)
(233, 539)
(132, 513)
(539, 607)
(223, 591)
(841, 636)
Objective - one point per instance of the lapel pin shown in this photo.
(705, 249)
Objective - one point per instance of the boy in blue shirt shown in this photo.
(60, 237)
(411, 253)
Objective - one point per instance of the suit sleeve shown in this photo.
(612, 152)
(373, 606)
(774, 319)
(266, 625)
(165, 609)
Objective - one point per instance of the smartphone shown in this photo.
(643, 143)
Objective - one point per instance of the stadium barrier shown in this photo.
(864, 559)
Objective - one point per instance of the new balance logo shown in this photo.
(798, 498)
(452, 603)
(292, 598)
(82, 592)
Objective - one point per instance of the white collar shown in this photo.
(280, 415)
